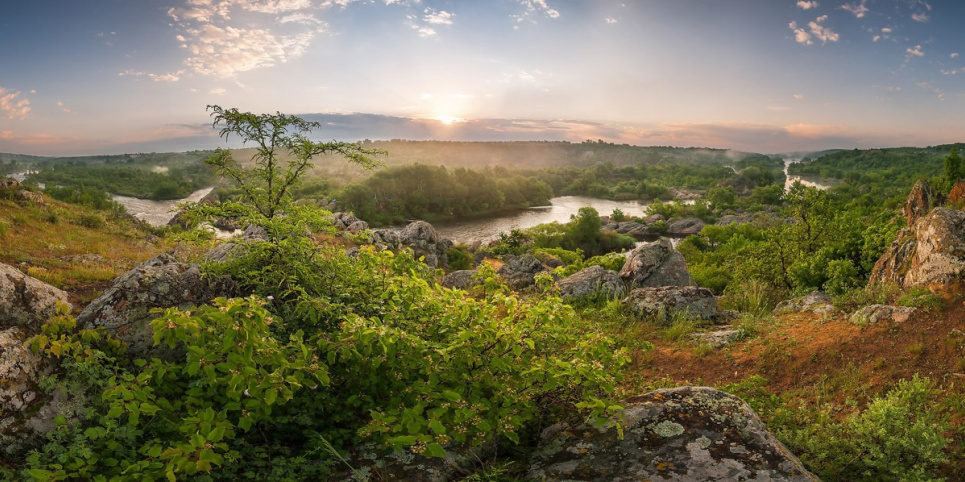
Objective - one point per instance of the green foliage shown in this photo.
(81, 195)
(582, 234)
(954, 170)
(419, 191)
(91, 220)
(920, 297)
(898, 437)
(86, 181)
(459, 257)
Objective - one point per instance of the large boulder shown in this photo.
(678, 434)
(656, 264)
(520, 272)
(124, 309)
(592, 281)
(460, 280)
(685, 226)
(418, 234)
(26, 301)
(921, 200)
(660, 304)
(930, 254)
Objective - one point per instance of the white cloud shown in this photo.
(801, 36)
(226, 51)
(798, 96)
(533, 7)
(218, 91)
(931, 88)
(169, 77)
(806, 5)
(920, 17)
(273, 6)
(953, 55)
(11, 107)
(610, 20)
(886, 30)
(822, 33)
(434, 17)
(63, 107)
(917, 51)
(858, 9)
(300, 18)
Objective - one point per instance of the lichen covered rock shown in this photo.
(872, 314)
(519, 272)
(26, 301)
(656, 264)
(594, 280)
(660, 304)
(124, 309)
(680, 434)
(460, 280)
(930, 254)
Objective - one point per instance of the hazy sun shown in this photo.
(449, 119)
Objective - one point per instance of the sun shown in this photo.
(449, 119)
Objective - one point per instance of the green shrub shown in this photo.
(459, 257)
(921, 298)
(752, 296)
(91, 221)
(898, 437)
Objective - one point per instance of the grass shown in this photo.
(44, 240)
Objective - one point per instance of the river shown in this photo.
(559, 210)
(792, 179)
(157, 213)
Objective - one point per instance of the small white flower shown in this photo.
(271, 298)
(246, 393)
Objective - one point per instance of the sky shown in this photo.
(114, 76)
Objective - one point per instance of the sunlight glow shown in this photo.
(449, 119)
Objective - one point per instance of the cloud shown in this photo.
(216, 46)
(822, 33)
(218, 91)
(953, 55)
(535, 7)
(798, 96)
(169, 77)
(858, 9)
(610, 20)
(917, 51)
(806, 5)
(11, 107)
(928, 86)
(434, 17)
(920, 17)
(801, 36)
(63, 107)
(273, 6)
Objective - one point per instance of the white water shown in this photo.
(792, 179)
(157, 213)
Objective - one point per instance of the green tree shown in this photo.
(268, 180)
(954, 170)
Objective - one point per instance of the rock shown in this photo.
(659, 304)
(815, 302)
(373, 463)
(716, 339)
(931, 254)
(357, 226)
(230, 250)
(27, 197)
(418, 234)
(519, 272)
(678, 434)
(592, 281)
(872, 314)
(460, 280)
(653, 218)
(627, 227)
(9, 183)
(656, 264)
(26, 301)
(26, 412)
(920, 202)
(124, 309)
(685, 226)
(343, 220)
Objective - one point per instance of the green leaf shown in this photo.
(452, 396)
(437, 427)
(270, 395)
(216, 434)
(436, 450)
